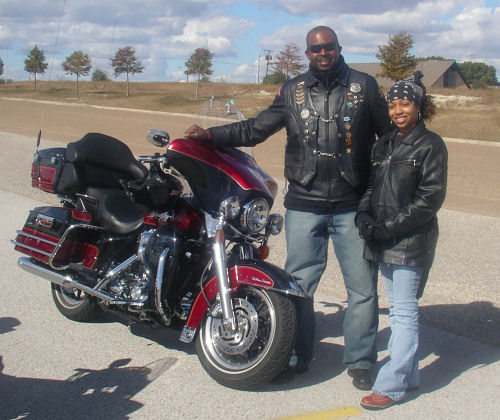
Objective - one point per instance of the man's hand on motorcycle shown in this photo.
(196, 132)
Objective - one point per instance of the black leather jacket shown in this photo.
(330, 131)
(407, 187)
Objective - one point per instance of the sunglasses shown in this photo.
(316, 48)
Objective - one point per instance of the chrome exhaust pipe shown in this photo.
(64, 280)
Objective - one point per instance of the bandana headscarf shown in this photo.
(410, 89)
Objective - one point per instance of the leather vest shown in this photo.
(343, 129)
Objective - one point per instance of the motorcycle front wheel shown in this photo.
(259, 349)
(75, 304)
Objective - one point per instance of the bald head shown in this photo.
(323, 50)
(320, 28)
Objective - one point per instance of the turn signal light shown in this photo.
(264, 252)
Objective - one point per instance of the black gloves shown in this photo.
(369, 230)
(365, 223)
(380, 233)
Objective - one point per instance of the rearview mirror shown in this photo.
(158, 138)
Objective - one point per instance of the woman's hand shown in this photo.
(380, 233)
(364, 222)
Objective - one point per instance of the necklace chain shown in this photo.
(327, 121)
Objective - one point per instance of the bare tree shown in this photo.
(77, 63)
(125, 61)
(289, 61)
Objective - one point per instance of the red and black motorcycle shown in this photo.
(177, 239)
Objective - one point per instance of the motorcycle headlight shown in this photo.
(255, 214)
(274, 224)
(230, 207)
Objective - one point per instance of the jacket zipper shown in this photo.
(327, 142)
(389, 166)
(405, 161)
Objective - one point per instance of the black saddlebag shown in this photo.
(58, 237)
(50, 172)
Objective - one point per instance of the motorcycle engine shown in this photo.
(132, 284)
(136, 282)
(154, 242)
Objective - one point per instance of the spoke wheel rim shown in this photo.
(70, 297)
(243, 350)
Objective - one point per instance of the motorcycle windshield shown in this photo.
(218, 172)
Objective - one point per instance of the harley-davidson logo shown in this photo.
(264, 282)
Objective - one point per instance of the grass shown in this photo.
(462, 113)
(468, 124)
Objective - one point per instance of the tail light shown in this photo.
(89, 255)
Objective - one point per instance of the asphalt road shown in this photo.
(54, 368)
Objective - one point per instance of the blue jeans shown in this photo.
(400, 372)
(307, 236)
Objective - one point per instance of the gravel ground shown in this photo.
(462, 295)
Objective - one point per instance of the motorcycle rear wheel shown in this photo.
(259, 350)
(75, 304)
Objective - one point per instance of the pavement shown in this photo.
(53, 368)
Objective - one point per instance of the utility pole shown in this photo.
(258, 70)
(268, 58)
(5, 66)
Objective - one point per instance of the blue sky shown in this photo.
(165, 33)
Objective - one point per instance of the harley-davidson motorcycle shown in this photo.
(177, 239)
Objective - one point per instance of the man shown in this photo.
(332, 114)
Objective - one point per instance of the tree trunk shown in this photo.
(35, 81)
(128, 91)
(197, 86)
(77, 84)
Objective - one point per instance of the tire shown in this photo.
(75, 304)
(261, 347)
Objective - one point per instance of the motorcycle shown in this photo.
(176, 239)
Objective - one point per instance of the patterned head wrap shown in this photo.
(411, 89)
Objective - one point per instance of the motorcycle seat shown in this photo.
(115, 211)
(103, 151)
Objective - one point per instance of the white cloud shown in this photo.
(165, 33)
(453, 29)
(340, 7)
(215, 33)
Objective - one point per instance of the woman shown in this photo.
(397, 218)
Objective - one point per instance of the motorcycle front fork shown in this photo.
(223, 281)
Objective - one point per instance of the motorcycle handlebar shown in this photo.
(151, 159)
(155, 160)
